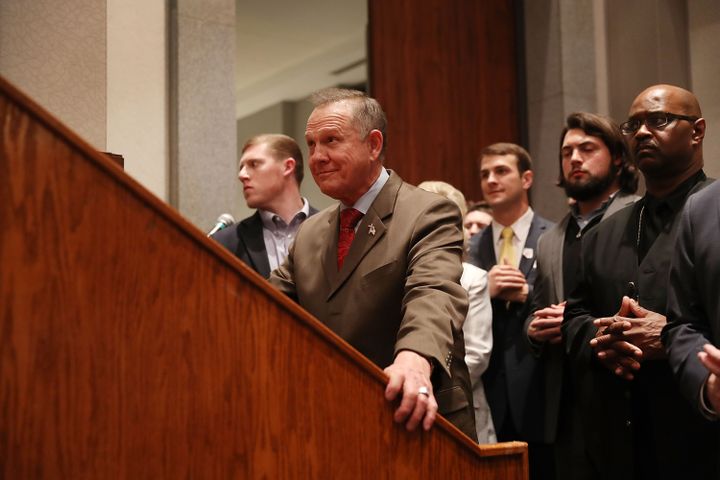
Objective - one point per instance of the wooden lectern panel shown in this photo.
(131, 346)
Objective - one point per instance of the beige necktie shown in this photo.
(507, 251)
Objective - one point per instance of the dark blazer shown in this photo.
(513, 380)
(642, 428)
(548, 289)
(246, 241)
(398, 288)
(693, 298)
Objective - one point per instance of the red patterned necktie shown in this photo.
(348, 219)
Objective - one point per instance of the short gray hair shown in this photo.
(368, 115)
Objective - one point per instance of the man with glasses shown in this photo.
(637, 423)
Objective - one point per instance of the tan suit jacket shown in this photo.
(398, 288)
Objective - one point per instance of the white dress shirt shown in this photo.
(520, 228)
(477, 330)
(278, 235)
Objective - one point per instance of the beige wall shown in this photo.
(647, 43)
(137, 85)
(704, 21)
(115, 72)
(203, 131)
(55, 53)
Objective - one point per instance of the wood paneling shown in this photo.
(131, 346)
(446, 74)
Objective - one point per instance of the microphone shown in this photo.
(223, 221)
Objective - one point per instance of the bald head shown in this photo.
(665, 131)
(672, 99)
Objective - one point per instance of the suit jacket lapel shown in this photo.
(361, 245)
(329, 256)
(250, 233)
(364, 241)
(555, 253)
(486, 249)
(536, 229)
(667, 235)
(620, 201)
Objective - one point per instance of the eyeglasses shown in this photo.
(654, 121)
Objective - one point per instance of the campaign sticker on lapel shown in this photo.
(528, 253)
(371, 230)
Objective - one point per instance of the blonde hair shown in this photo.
(447, 191)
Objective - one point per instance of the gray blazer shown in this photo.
(549, 289)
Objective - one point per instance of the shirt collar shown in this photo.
(271, 220)
(363, 203)
(676, 199)
(521, 227)
(583, 220)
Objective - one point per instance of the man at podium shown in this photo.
(382, 269)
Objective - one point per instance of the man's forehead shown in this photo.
(577, 136)
(330, 123)
(256, 152)
(324, 126)
(654, 100)
(494, 161)
(331, 114)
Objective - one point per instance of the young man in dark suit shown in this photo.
(598, 173)
(506, 249)
(271, 171)
(638, 424)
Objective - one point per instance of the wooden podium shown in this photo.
(131, 346)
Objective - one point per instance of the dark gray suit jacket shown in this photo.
(246, 241)
(639, 428)
(548, 289)
(693, 297)
(513, 380)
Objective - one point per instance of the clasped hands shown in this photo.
(507, 283)
(625, 340)
(546, 323)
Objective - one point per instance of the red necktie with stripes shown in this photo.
(348, 219)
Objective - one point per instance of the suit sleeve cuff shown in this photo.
(706, 410)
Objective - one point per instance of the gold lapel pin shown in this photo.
(371, 230)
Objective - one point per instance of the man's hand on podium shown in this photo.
(410, 375)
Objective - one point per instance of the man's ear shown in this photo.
(375, 141)
(527, 179)
(698, 131)
(289, 166)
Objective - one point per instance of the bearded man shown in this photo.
(597, 172)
